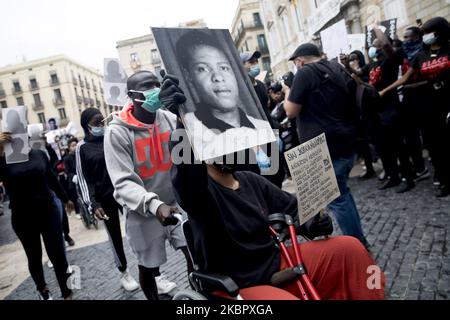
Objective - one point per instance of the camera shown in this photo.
(288, 78)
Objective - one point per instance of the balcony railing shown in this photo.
(246, 26)
(88, 86)
(17, 90)
(58, 101)
(94, 87)
(33, 87)
(37, 106)
(54, 82)
(81, 83)
(75, 81)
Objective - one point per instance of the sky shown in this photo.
(87, 30)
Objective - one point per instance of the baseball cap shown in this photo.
(306, 49)
(247, 56)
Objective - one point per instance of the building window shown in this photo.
(41, 117)
(62, 113)
(16, 85)
(37, 100)
(4, 104)
(54, 78)
(262, 44)
(2, 91)
(285, 25)
(257, 19)
(33, 84)
(155, 56)
(266, 64)
(157, 70)
(134, 57)
(57, 93)
(20, 101)
(396, 9)
(275, 41)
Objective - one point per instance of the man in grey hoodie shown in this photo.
(138, 162)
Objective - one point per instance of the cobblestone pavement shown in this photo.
(409, 234)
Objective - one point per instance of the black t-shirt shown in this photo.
(381, 75)
(435, 68)
(327, 96)
(29, 183)
(230, 229)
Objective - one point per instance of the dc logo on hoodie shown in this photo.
(153, 155)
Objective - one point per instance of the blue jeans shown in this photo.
(344, 207)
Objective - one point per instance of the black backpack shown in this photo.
(365, 96)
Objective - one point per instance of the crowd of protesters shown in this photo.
(125, 165)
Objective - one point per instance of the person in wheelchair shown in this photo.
(228, 214)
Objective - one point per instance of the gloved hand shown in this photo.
(165, 215)
(171, 95)
(320, 225)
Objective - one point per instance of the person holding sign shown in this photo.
(34, 214)
(228, 214)
(322, 99)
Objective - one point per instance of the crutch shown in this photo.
(296, 268)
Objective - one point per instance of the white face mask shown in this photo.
(429, 38)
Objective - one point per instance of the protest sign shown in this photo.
(115, 83)
(356, 41)
(222, 114)
(313, 175)
(36, 139)
(388, 27)
(14, 121)
(334, 39)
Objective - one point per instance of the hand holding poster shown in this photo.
(14, 121)
(313, 174)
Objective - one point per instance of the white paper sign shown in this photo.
(14, 121)
(115, 83)
(335, 40)
(356, 41)
(313, 175)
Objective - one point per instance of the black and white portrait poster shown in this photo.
(115, 83)
(35, 132)
(388, 27)
(222, 113)
(14, 121)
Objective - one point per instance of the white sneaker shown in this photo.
(49, 264)
(45, 295)
(128, 282)
(164, 285)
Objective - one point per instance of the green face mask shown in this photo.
(151, 103)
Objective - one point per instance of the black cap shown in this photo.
(306, 49)
(247, 56)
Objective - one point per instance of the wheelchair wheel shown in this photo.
(188, 295)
